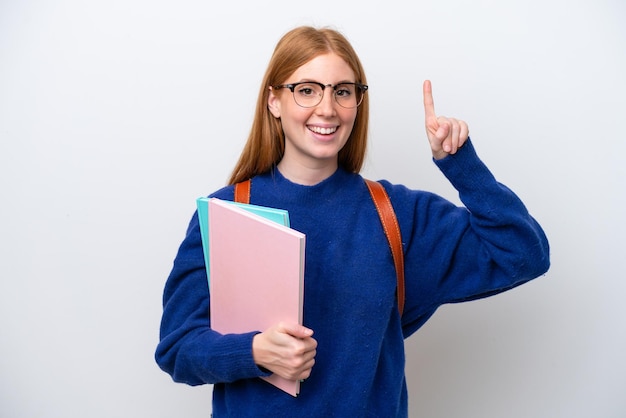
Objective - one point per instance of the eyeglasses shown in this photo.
(311, 93)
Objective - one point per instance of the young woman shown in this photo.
(304, 153)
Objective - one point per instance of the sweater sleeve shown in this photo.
(456, 254)
(189, 350)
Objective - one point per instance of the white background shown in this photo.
(115, 115)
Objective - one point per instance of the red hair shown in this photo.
(265, 146)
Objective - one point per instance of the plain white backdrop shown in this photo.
(115, 115)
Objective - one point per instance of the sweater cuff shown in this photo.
(237, 361)
(465, 170)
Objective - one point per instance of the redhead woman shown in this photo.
(304, 153)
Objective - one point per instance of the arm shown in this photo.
(191, 352)
(455, 254)
(496, 214)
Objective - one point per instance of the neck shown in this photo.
(306, 175)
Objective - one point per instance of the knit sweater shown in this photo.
(452, 254)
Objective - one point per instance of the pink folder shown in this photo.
(257, 274)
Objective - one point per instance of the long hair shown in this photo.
(265, 146)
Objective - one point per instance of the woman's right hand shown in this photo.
(446, 135)
(287, 350)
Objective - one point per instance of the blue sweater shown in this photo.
(452, 254)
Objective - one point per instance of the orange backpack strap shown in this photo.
(392, 230)
(387, 218)
(242, 191)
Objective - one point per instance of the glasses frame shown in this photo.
(292, 87)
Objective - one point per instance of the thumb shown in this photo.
(296, 330)
(442, 131)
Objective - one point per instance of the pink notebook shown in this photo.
(257, 274)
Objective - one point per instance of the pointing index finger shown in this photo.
(429, 104)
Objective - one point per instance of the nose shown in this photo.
(327, 106)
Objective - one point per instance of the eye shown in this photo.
(307, 90)
(344, 90)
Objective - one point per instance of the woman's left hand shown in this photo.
(446, 135)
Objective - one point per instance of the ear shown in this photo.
(273, 103)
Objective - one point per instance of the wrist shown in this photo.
(439, 155)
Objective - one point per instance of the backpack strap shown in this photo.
(387, 218)
(242, 192)
(392, 231)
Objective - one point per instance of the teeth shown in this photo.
(323, 131)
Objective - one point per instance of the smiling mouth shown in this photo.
(323, 131)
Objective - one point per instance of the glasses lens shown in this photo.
(348, 95)
(308, 94)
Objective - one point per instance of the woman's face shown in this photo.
(314, 135)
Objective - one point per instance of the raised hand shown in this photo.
(286, 349)
(446, 135)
